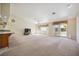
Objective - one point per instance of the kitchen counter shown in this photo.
(5, 32)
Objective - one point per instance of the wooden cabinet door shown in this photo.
(0, 41)
(5, 40)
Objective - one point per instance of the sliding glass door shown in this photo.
(60, 29)
(63, 29)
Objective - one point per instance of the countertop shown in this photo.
(5, 32)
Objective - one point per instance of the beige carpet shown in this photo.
(41, 46)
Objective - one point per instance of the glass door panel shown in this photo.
(63, 29)
(60, 29)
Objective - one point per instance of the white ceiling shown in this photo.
(43, 11)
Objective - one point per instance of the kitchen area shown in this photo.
(4, 32)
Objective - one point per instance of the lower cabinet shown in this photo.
(4, 41)
(0, 42)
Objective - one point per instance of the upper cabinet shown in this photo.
(0, 8)
(5, 9)
(4, 14)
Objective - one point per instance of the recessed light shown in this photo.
(69, 6)
(53, 13)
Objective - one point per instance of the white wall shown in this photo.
(21, 22)
(77, 23)
(72, 28)
(50, 29)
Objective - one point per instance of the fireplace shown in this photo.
(27, 31)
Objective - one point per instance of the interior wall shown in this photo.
(50, 29)
(77, 23)
(21, 22)
(72, 28)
